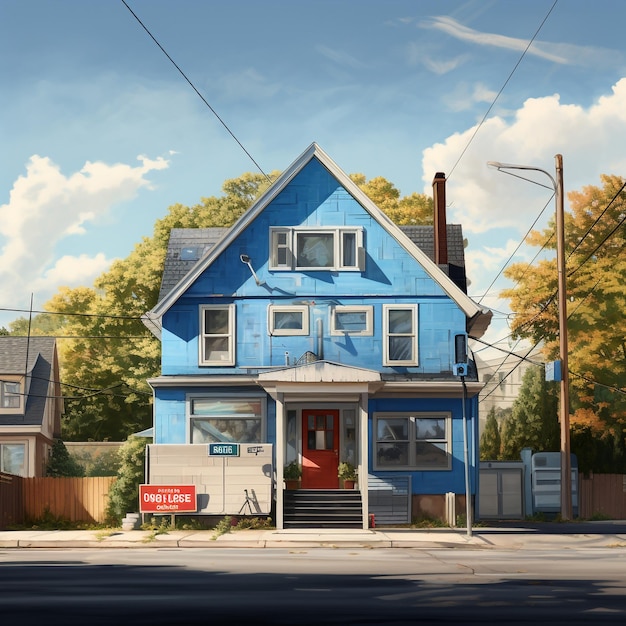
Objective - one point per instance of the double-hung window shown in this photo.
(217, 330)
(339, 248)
(288, 320)
(10, 395)
(237, 419)
(420, 441)
(400, 334)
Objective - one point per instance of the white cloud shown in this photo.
(494, 207)
(591, 141)
(564, 54)
(45, 207)
(71, 271)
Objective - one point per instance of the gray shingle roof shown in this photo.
(185, 248)
(188, 245)
(13, 357)
(424, 237)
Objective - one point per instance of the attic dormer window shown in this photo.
(10, 396)
(316, 249)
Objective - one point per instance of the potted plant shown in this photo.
(347, 472)
(292, 473)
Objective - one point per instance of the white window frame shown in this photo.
(272, 309)
(24, 446)
(221, 398)
(229, 335)
(290, 242)
(353, 308)
(6, 394)
(412, 335)
(412, 440)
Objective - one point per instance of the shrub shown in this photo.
(124, 493)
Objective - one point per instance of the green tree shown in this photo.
(61, 463)
(124, 492)
(534, 418)
(107, 354)
(490, 440)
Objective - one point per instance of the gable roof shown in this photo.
(34, 356)
(479, 317)
(187, 246)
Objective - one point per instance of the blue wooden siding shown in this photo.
(441, 481)
(392, 275)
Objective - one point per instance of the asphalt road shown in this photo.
(312, 586)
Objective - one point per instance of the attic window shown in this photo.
(10, 396)
(316, 249)
(191, 253)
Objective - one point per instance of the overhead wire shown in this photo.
(222, 122)
(502, 88)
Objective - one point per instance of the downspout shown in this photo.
(320, 340)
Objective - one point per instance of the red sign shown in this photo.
(167, 499)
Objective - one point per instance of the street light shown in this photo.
(557, 185)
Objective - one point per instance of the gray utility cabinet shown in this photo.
(501, 493)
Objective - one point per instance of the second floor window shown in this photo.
(400, 334)
(316, 249)
(217, 330)
(288, 320)
(10, 396)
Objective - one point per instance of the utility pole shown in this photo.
(557, 186)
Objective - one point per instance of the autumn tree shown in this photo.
(413, 210)
(596, 274)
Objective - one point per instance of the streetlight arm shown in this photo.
(510, 166)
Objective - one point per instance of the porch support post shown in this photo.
(364, 457)
(280, 457)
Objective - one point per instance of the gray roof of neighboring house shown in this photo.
(39, 352)
(188, 245)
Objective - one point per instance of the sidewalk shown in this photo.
(509, 537)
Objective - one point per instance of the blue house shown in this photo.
(318, 327)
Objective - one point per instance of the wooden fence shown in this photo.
(85, 499)
(602, 494)
(72, 499)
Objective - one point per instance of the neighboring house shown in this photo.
(317, 325)
(502, 378)
(30, 403)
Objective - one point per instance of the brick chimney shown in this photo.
(441, 232)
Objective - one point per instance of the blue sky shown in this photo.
(101, 134)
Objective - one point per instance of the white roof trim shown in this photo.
(479, 318)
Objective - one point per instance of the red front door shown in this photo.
(320, 449)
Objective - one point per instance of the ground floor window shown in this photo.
(412, 441)
(221, 419)
(13, 458)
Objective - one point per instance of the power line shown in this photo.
(222, 122)
(502, 88)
